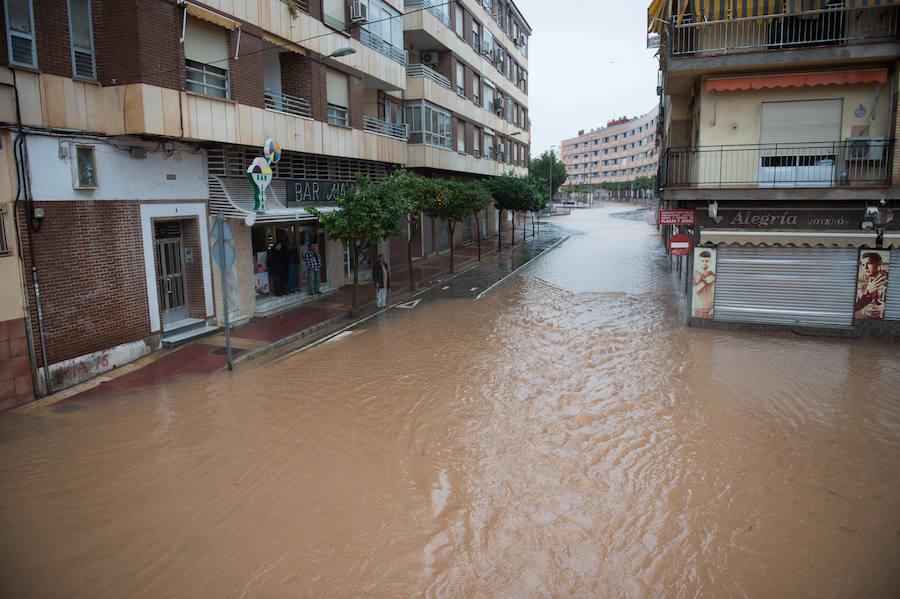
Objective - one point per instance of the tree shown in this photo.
(421, 194)
(451, 205)
(506, 191)
(533, 200)
(540, 167)
(478, 199)
(366, 214)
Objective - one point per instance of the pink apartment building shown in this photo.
(622, 151)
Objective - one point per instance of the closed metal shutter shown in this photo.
(206, 43)
(800, 122)
(466, 231)
(892, 297)
(792, 286)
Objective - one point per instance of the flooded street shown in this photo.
(565, 436)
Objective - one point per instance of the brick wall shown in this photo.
(445, 65)
(304, 77)
(91, 273)
(356, 102)
(470, 138)
(16, 385)
(116, 42)
(468, 83)
(51, 29)
(246, 73)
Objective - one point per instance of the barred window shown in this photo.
(4, 245)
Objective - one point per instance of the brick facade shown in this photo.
(16, 386)
(246, 73)
(90, 268)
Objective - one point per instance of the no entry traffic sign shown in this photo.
(679, 245)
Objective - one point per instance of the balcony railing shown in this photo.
(433, 6)
(373, 125)
(421, 70)
(298, 4)
(859, 162)
(379, 45)
(287, 104)
(827, 26)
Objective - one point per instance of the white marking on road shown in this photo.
(409, 304)
(445, 287)
(339, 336)
(474, 289)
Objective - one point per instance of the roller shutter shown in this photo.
(337, 90)
(790, 286)
(206, 43)
(801, 122)
(892, 297)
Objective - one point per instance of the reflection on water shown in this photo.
(565, 436)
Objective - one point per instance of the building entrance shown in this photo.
(173, 304)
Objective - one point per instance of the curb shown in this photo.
(516, 271)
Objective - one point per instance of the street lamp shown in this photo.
(341, 52)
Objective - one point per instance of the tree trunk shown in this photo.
(532, 223)
(355, 265)
(523, 227)
(452, 225)
(499, 230)
(512, 232)
(478, 230)
(413, 229)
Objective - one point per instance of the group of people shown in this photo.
(283, 261)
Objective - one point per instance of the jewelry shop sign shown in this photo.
(677, 217)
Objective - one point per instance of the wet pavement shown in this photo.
(563, 436)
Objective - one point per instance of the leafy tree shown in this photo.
(452, 206)
(533, 201)
(478, 198)
(540, 168)
(421, 194)
(367, 214)
(506, 192)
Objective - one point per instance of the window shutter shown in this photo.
(206, 43)
(801, 122)
(336, 84)
(459, 20)
(460, 75)
(82, 39)
(20, 33)
(335, 13)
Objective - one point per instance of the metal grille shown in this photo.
(168, 229)
(84, 64)
(4, 245)
(232, 161)
(785, 285)
(892, 297)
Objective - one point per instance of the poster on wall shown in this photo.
(703, 283)
(871, 284)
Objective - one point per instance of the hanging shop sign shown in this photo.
(260, 173)
(680, 245)
(677, 217)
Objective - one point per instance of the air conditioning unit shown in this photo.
(864, 148)
(430, 58)
(359, 12)
(498, 103)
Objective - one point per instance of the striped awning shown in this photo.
(891, 240)
(797, 80)
(660, 12)
(795, 238)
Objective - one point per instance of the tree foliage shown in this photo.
(540, 167)
(366, 214)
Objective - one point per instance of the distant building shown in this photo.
(622, 151)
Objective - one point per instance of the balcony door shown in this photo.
(800, 143)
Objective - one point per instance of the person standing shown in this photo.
(382, 277)
(293, 260)
(313, 262)
(277, 263)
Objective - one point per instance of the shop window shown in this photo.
(82, 39)
(206, 58)
(20, 33)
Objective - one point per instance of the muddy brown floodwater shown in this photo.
(566, 436)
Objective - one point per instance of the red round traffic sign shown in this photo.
(680, 245)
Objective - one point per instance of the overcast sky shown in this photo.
(588, 63)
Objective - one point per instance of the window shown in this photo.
(476, 90)
(335, 13)
(82, 39)
(338, 98)
(476, 39)
(477, 143)
(460, 19)
(20, 33)
(460, 137)
(85, 175)
(384, 30)
(4, 244)
(206, 58)
(428, 124)
(460, 79)
(489, 145)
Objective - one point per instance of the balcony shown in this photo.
(435, 7)
(421, 70)
(373, 125)
(379, 45)
(862, 162)
(287, 104)
(827, 26)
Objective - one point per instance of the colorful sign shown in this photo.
(680, 245)
(677, 217)
(703, 283)
(871, 284)
(260, 173)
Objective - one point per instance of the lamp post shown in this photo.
(341, 52)
(550, 203)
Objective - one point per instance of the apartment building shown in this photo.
(127, 127)
(622, 151)
(778, 139)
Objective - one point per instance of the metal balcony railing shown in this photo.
(421, 70)
(858, 162)
(373, 125)
(298, 4)
(287, 104)
(379, 45)
(433, 6)
(827, 26)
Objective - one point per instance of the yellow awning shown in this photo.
(659, 12)
(796, 238)
(210, 16)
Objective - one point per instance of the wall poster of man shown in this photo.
(703, 284)
(871, 284)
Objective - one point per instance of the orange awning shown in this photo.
(724, 84)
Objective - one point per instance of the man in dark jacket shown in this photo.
(382, 277)
(278, 267)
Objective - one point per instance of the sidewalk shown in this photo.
(207, 354)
